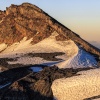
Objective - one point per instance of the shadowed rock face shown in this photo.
(28, 85)
(27, 20)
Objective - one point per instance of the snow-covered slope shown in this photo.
(80, 60)
(73, 55)
(85, 85)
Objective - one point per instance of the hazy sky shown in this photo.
(81, 16)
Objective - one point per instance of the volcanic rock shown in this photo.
(27, 20)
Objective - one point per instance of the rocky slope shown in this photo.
(27, 20)
(35, 50)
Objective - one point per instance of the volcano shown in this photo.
(35, 50)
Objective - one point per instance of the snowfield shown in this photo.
(74, 56)
(80, 87)
(80, 60)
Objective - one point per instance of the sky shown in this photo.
(81, 16)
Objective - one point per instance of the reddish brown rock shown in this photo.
(27, 20)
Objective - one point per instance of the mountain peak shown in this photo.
(28, 20)
(14, 8)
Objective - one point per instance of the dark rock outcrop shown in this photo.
(27, 20)
(28, 85)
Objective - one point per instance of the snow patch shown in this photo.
(3, 46)
(22, 45)
(33, 60)
(36, 69)
(79, 60)
(85, 85)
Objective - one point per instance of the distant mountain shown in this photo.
(35, 49)
(95, 43)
